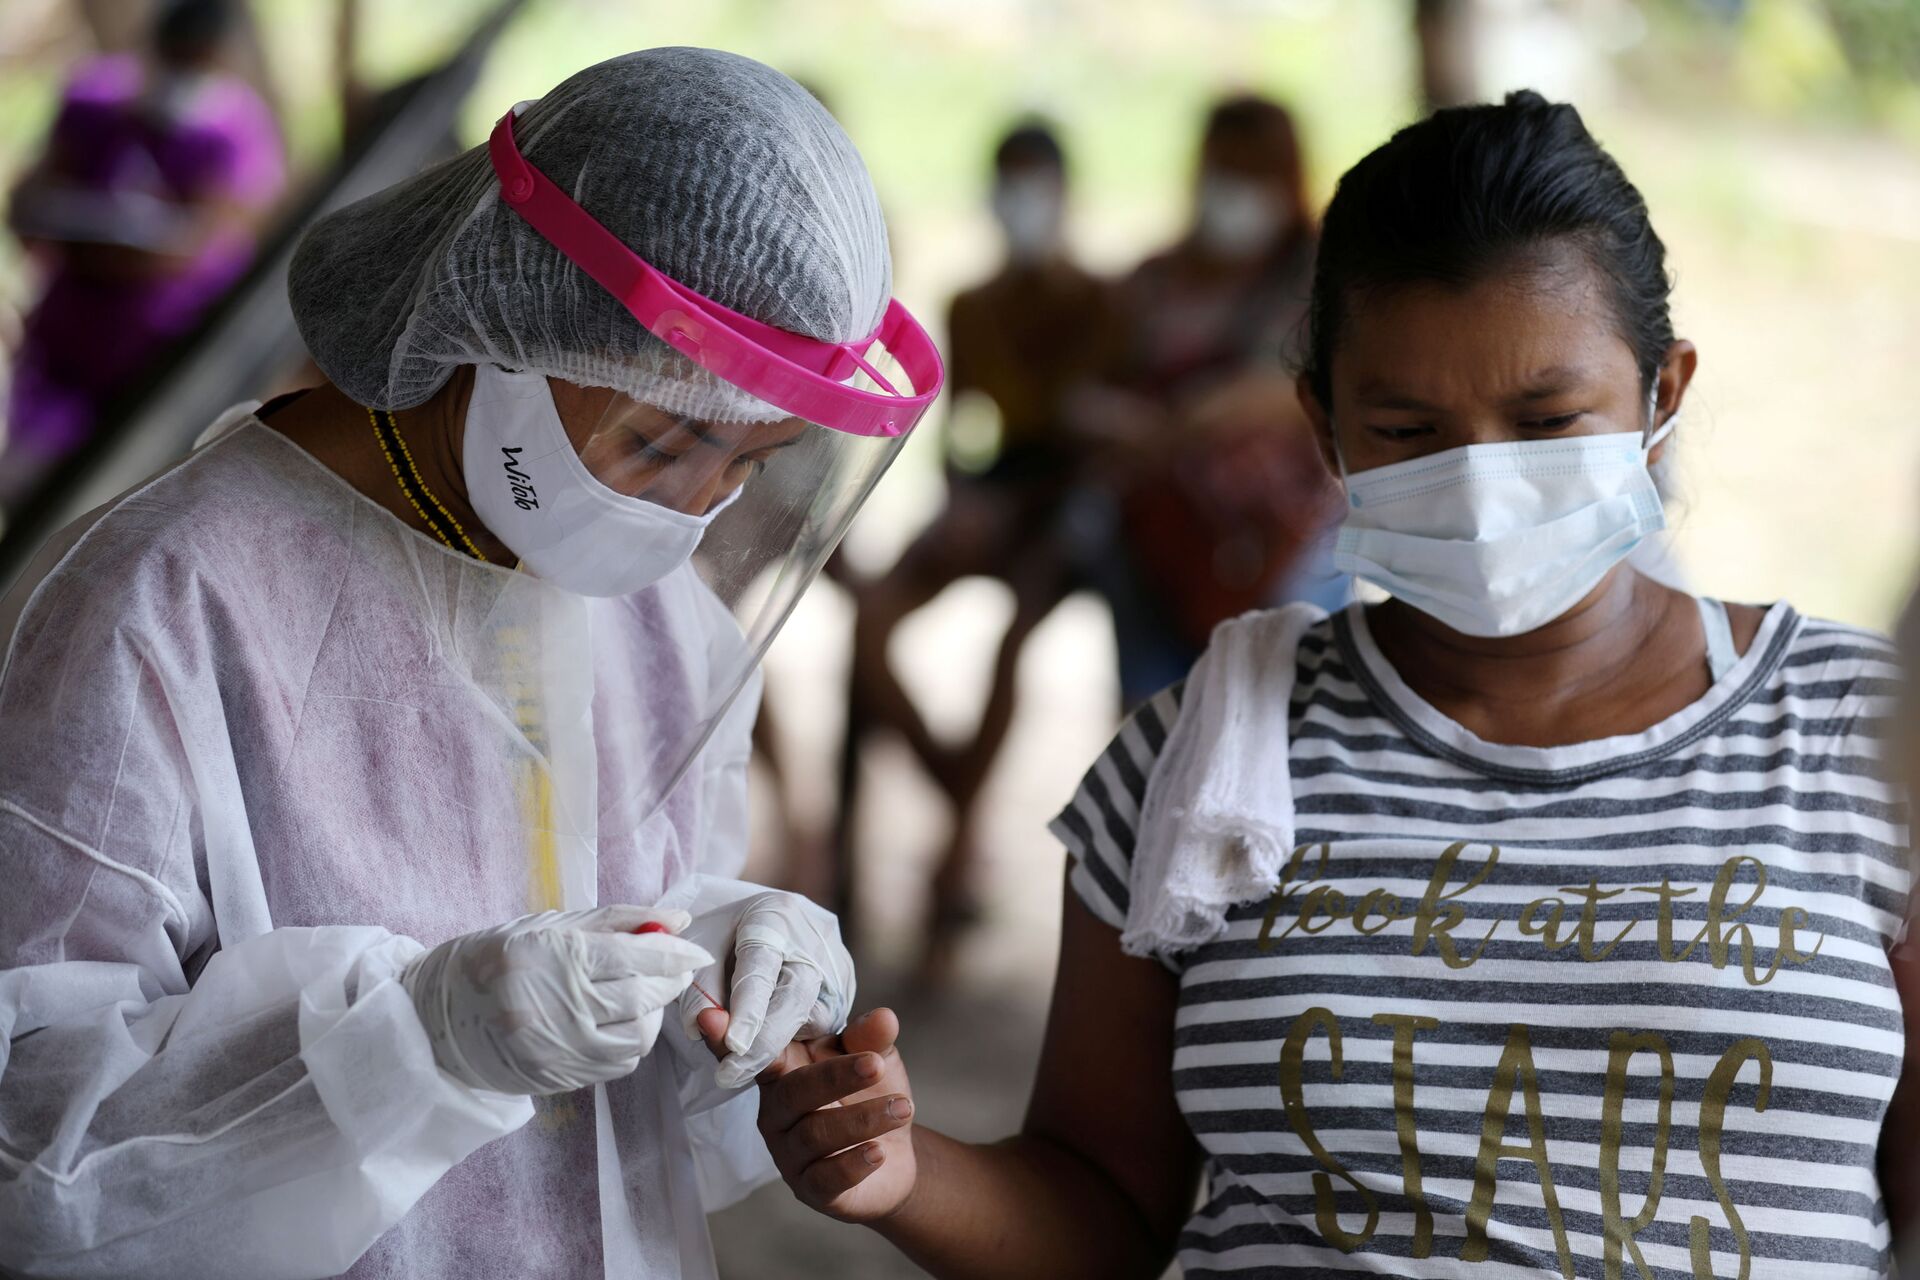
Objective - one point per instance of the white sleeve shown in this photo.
(271, 1119)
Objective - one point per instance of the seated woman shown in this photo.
(1220, 502)
(142, 209)
(1534, 922)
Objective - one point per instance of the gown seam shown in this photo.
(146, 879)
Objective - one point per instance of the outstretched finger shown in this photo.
(874, 1031)
(711, 1023)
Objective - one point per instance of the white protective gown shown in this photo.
(259, 744)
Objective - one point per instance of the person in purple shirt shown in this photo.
(141, 212)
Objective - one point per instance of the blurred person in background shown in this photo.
(1022, 341)
(140, 212)
(1533, 922)
(1223, 501)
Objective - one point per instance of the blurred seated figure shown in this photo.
(1019, 343)
(140, 212)
(1223, 504)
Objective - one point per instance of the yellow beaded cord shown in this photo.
(401, 480)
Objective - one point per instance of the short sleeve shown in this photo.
(1100, 824)
(256, 173)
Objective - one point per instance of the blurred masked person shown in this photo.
(1022, 341)
(371, 781)
(141, 212)
(1225, 503)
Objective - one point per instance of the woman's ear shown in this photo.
(1670, 387)
(1322, 422)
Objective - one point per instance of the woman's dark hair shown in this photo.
(1031, 143)
(1471, 190)
(1265, 125)
(188, 31)
(1248, 117)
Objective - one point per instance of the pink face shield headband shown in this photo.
(801, 375)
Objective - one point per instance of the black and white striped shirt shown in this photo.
(1618, 1009)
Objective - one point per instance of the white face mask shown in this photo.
(1029, 212)
(1500, 539)
(1238, 217)
(529, 487)
(172, 93)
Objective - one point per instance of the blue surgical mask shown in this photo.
(1500, 539)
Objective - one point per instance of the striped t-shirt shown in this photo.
(1618, 1009)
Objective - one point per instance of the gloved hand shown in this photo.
(553, 1001)
(792, 978)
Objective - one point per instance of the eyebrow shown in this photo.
(1548, 383)
(1379, 396)
(1543, 384)
(692, 427)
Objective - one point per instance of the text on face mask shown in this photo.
(519, 481)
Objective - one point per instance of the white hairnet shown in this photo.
(720, 171)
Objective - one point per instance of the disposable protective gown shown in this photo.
(259, 744)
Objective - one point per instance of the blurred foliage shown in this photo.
(1881, 37)
(396, 41)
(1831, 61)
(1127, 79)
(927, 84)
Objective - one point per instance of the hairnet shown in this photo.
(720, 171)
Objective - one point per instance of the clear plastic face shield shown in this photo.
(714, 527)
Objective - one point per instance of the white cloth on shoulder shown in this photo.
(1217, 823)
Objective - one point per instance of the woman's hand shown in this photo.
(1076, 1193)
(837, 1115)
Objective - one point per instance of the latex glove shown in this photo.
(553, 1001)
(792, 978)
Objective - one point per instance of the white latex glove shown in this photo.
(553, 1001)
(792, 978)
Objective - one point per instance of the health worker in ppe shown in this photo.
(371, 782)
